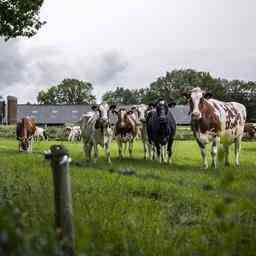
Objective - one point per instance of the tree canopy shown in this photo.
(20, 18)
(172, 85)
(124, 96)
(69, 91)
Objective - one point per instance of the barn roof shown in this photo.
(181, 114)
(60, 114)
(52, 114)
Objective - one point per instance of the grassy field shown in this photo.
(176, 209)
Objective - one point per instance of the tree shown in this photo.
(20, 18)
(124, 96)
(69, 91)
(173, 83)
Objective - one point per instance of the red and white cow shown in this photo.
(125, 131)
(25, 131)
(216, 121)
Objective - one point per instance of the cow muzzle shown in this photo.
(196, 115)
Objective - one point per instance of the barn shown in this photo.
(61, 114)
(11, 112)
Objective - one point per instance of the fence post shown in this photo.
(63, 212)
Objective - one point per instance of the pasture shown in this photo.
(152, 209)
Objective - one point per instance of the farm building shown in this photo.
(61, 114)
(11, 112)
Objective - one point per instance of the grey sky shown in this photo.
(130, 43)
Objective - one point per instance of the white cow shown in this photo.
(74, 134)
(96, 130)
(39, 134)
(141, 112)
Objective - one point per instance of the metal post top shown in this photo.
(58, 153)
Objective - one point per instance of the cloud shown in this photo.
(110, 65)
(29, 70)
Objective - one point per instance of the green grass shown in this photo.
(176, 209)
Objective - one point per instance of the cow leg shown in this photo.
(214, 152)
(162, 154)
(203, 154)
(158, 152)
(149, 148)
(130, 148)
(169, 149)
(120, 149)
(237, 150)
(96, 154)
(107, 152)
(145, 150)
(153, 152)
(226, 154)
(88, 151)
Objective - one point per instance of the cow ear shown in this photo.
(186, 95)
(172, 104)
(94, 107)
(207, 95)
(112, 107)
(151, 105)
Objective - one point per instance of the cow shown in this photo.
(96, 130)
(40, 134)
(74, 133)
(142, 112)
(218, 122)
(249, 130)
(25, 131)
(125, 131)
(161, 128)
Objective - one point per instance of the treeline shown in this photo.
(168, 87)
(174, 83)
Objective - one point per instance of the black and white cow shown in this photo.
(161, 128)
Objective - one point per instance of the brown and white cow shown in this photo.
(25, 131)
(125, 131)
(96, 130)
(216, 121)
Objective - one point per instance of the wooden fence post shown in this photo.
(62, 197)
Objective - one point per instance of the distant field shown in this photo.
(176, 209)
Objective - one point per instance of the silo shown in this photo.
(2, 110)
(12, 109)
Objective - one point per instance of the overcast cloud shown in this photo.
(130, 43)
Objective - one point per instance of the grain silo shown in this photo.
(11, 109)
(2, 110)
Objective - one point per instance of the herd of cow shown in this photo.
(211, 121)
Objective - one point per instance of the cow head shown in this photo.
(140, 111)
(196, 98)
(121, 114)
(162, 111)
(102, 111)
(24, 143)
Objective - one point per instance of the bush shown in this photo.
(8, 131)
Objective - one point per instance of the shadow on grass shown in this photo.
(134, 167)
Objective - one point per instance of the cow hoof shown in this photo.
(205, 167)
(227, 164)
(214, 166)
